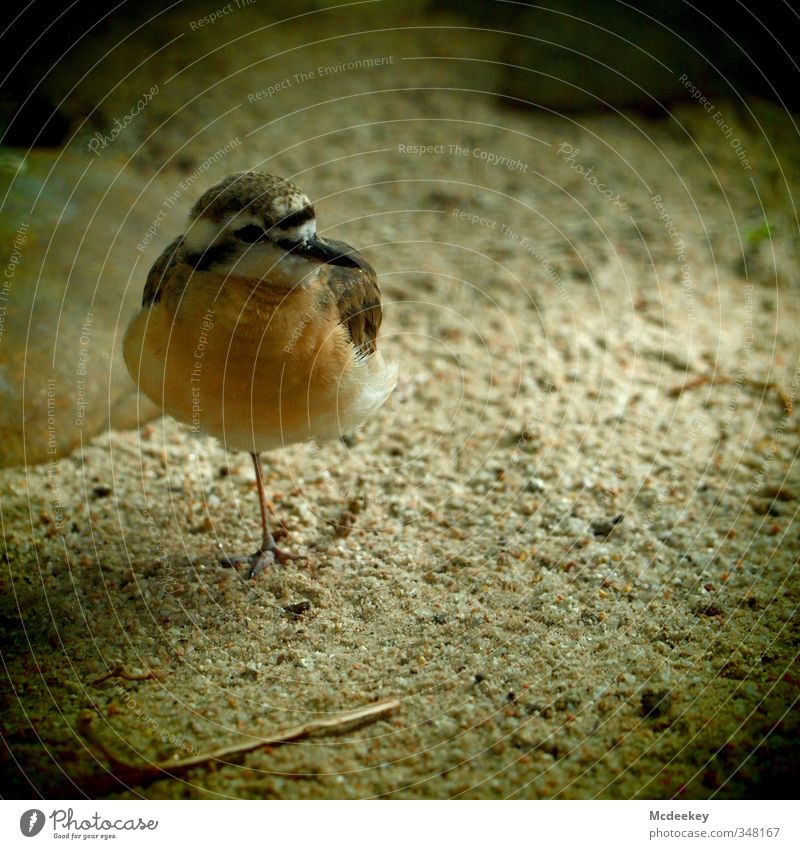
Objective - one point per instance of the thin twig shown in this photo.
(129, 774)
(119, 671)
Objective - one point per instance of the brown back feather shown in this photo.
(357, 296)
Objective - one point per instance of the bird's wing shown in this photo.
(161, 271)
(357, 297)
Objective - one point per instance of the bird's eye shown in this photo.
(251, 233)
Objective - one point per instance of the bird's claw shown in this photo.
(259, 560)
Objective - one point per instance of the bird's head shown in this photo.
(260, 227)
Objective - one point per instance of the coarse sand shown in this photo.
(567, 545)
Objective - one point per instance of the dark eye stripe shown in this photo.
(296, 218)
(250, 233)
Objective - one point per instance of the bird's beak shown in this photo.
(319, 250)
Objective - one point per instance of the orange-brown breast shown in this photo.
(252, 365)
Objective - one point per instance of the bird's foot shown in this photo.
(268, 554)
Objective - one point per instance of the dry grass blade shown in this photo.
(721, 379)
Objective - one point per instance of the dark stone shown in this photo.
(297, 609)
(656, 703)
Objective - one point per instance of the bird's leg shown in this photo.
(268, 551)
(267, 540)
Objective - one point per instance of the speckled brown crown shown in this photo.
(266, 196)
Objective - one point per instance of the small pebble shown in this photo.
(603, 527)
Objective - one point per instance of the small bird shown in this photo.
(258, 331)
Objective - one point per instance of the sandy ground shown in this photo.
(567, 545)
